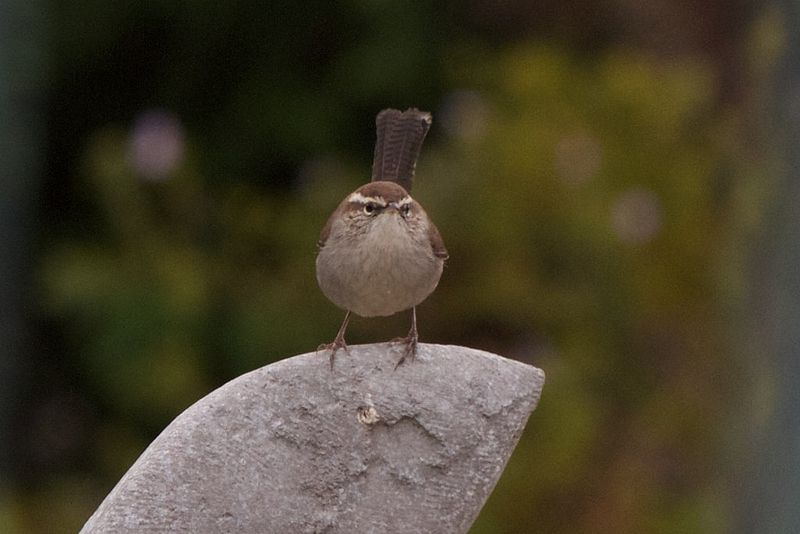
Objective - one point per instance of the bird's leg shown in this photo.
(410, 341)
(338, 342)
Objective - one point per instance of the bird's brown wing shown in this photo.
(437, 242)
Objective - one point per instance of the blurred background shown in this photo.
(616, 182)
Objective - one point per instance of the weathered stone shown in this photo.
(296, 447)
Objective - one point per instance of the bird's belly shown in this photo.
(380, 278)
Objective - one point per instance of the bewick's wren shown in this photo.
(379, 253)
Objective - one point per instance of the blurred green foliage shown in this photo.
(598, 210)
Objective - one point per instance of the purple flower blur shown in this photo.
(156, 144)
(636, 216)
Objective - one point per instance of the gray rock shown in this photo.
(296, 447)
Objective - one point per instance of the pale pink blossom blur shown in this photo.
(156, 144)
(637, 216)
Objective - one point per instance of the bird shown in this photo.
(379, 253)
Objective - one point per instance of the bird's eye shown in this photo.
(370, 208)
(405, 209)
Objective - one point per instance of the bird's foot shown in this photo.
(335, 345)
(410, 351)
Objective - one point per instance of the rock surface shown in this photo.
(296, 447)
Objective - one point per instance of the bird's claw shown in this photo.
(410, 351)
(335, 345)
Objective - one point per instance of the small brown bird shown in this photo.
(379, 253)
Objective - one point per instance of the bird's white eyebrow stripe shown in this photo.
(362, 199)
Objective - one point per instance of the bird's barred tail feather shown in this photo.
(399, 140)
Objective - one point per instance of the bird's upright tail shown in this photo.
(399, 140)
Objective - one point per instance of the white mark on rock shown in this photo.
(367, 415)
